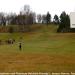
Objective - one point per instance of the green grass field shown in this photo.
(43, 50)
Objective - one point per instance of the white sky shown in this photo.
(38, 6)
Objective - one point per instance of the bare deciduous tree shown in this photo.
(39, 18)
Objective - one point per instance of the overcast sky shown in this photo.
(38, 6)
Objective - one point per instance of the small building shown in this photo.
(72, 20)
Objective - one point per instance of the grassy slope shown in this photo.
(43, 50)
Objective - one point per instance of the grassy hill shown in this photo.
(43, 50)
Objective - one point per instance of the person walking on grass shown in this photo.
(20, 46)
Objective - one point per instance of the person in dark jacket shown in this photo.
(20, 46)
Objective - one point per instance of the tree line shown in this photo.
(27, 17)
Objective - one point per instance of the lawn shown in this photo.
(43, 50)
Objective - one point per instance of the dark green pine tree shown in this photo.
(48, 18)
(56, 19)
(64, 22)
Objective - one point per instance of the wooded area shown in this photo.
(27, 17)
